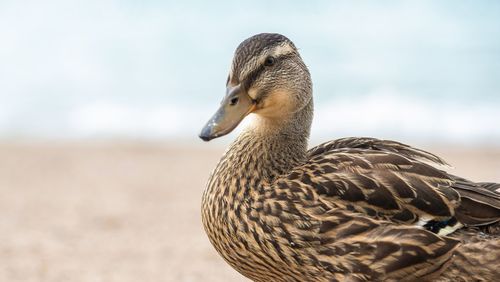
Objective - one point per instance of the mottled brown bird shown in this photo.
(353, 209)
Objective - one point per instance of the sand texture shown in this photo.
(125, 211)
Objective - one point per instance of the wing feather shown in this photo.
(411, 175)
(379, 145)
(390, 184)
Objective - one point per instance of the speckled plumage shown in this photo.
(352, 209)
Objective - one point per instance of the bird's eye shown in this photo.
(234, 101)
(269, 61)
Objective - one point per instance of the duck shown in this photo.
(351, 209)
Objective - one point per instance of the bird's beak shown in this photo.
(235, 106)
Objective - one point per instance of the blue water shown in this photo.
(411, 70)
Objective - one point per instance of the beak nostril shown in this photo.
(234, 101)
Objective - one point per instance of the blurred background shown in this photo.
(101, 170)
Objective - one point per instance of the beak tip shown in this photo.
(205, 138)
(206, 134)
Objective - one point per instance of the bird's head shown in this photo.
(267, 78)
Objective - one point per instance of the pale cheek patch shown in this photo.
(252, 93)
(276, 104)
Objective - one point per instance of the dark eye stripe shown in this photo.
(253, 75)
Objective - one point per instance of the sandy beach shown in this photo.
(126, 211)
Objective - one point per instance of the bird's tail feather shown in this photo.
(480, 202)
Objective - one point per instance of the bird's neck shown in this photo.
(264, 150)
(258, 156)
(277, 145)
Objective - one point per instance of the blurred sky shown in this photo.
(427, 71)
